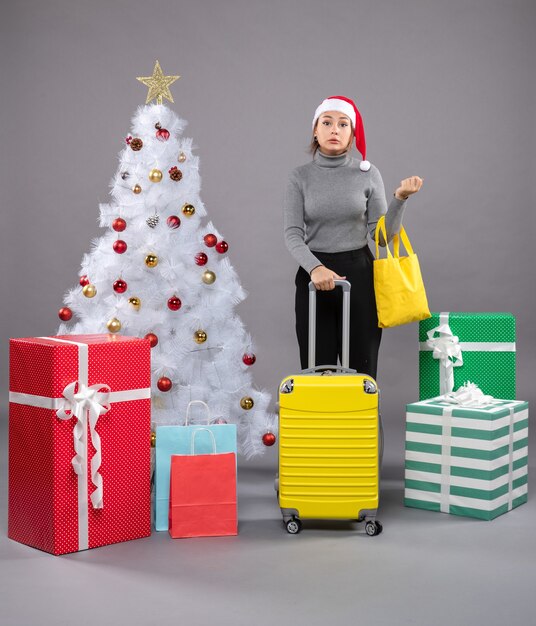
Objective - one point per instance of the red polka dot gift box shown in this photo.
(79, 441)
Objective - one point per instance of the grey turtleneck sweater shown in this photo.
(331, 205)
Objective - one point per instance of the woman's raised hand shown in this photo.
(324, 279)
(408, 186)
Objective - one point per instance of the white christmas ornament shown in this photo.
(212, 371)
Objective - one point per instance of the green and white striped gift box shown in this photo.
(466, 461)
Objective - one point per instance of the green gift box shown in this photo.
(466, 461)
(458, 347)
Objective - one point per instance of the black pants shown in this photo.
(365, 335)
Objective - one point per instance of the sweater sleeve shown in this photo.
(294, 227)
(377, 206)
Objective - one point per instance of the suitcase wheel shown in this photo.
(373, 528)
(294, 526)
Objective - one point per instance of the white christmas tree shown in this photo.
(162, 273)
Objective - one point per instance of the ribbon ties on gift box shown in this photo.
(446, 347)
(82, 401)
(469, 395)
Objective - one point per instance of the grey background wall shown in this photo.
(446, 90)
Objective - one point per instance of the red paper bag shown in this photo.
(202, 494)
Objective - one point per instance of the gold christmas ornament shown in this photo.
(208, 277)
(182, 157)
(200, 336)
(151, 260)
(153, 439)
(188, 209)
(155, 175)
(158, 85)
(136, 189)
(90, 291)
(135, 302)
(246, 403)
(114, 325)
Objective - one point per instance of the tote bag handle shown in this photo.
(402, 236)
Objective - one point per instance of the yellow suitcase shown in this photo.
(330, 438)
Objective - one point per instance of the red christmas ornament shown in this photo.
(120, 246)
(84, 280)
(201, 258)
(65, 314)
(222, 247)
(120, 286)
(268, 439)
(153, 339)
(174, 303)
(249, 358)
(164, 384)
(119, 224)
(210, 240)
(173, 221)
(162, 134)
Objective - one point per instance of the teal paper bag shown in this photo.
(177, 440)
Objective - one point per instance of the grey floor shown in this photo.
(425, 569)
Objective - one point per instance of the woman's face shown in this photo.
(333, 132)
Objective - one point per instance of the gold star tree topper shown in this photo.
(158, 85)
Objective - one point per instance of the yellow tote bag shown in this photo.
(400, 294)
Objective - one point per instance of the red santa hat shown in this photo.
(348, 107)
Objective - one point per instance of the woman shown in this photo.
(332, 203)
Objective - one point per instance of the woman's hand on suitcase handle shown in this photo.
(324, 279)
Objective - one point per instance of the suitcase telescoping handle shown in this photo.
(345, 360)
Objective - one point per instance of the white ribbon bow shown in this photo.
(446, 347)
(92, 402)
(470, 395)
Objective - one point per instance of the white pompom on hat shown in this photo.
(348, 107)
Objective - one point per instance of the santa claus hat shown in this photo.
(348, 107)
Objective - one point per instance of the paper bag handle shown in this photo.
(192, 446)
(196, 402)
